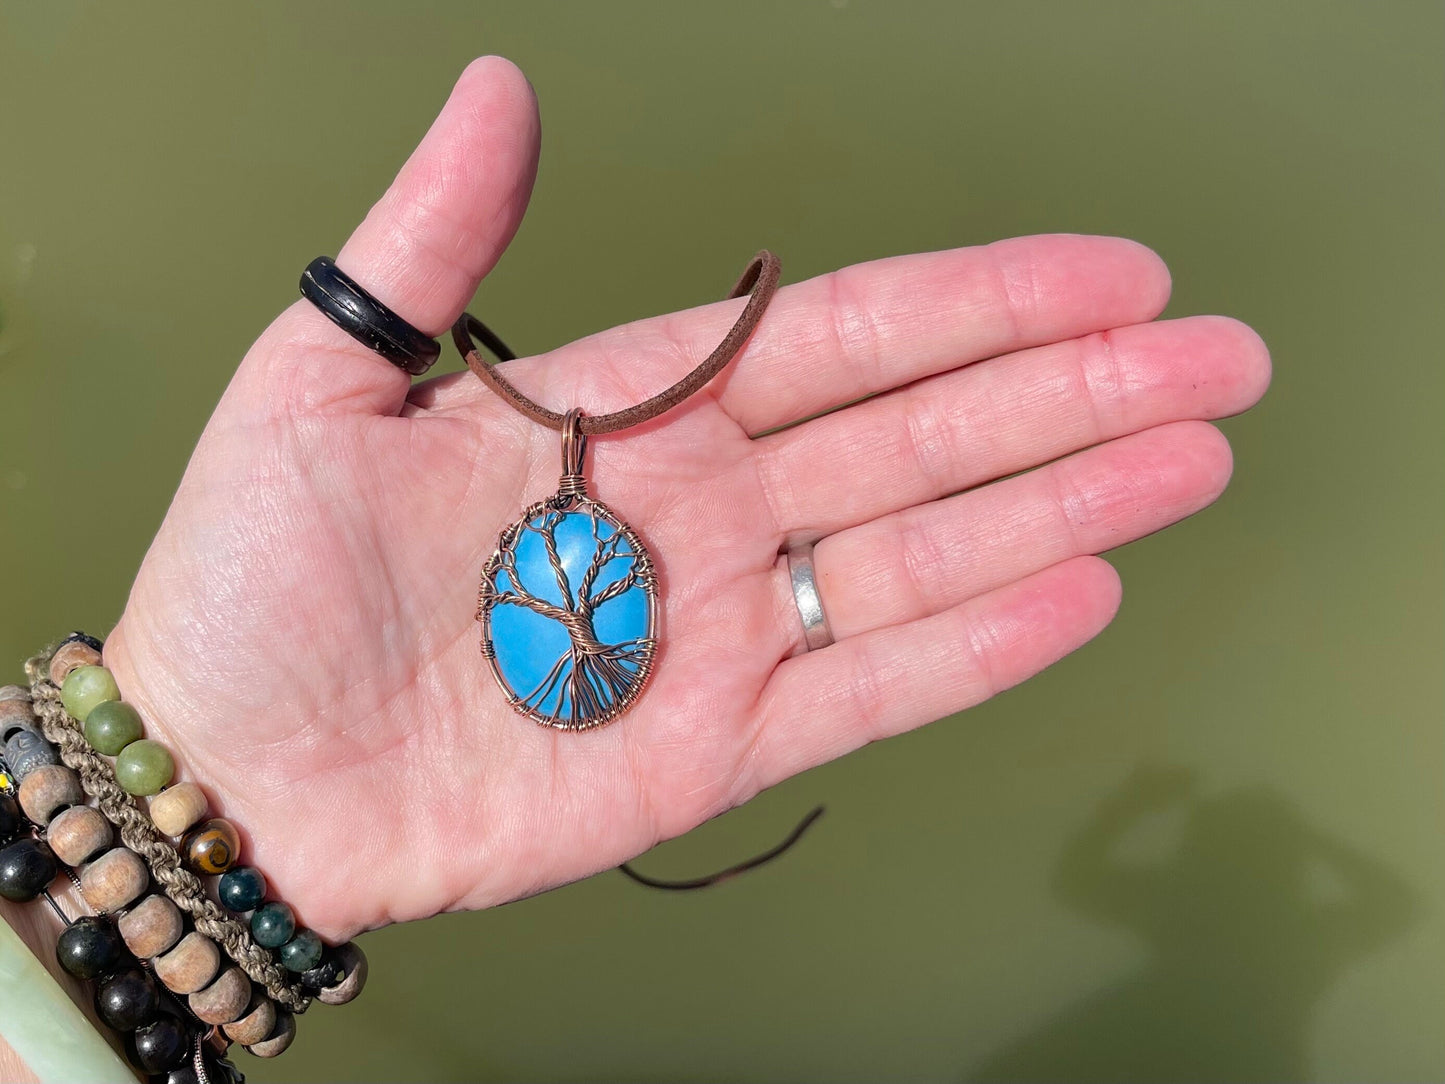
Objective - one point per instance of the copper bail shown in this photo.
(574, 451)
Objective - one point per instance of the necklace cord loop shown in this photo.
(759, 282)
(732, 871)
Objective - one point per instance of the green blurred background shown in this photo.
(1206, 847)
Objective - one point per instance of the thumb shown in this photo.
(421, 251)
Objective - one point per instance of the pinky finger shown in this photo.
(823, 704)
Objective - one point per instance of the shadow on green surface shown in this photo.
(1248, 922)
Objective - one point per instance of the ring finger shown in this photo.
(927, 559)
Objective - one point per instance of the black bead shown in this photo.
(327, 973)
(88, 641)
(127, 999)
(12, 821)
(219, 1070)
(27, 866)
(160, 1045)
(88, 947)
(181, 1074)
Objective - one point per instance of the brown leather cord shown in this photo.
(759, 282)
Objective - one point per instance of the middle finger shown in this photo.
(963, 428)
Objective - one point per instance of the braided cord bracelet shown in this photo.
(46, 829)
(160, 855)
(74, 702)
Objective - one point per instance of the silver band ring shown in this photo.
(816, 632)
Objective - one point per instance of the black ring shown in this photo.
(366, 319)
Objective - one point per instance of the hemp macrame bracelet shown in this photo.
(160, 855)
(46, 828)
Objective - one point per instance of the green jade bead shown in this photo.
(302, 952)
(111, 726)
(144, 767)
(85, 687)
(272, 924)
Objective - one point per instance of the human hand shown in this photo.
(302, 630)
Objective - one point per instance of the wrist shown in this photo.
(192, 854)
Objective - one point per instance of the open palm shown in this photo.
(302, 630)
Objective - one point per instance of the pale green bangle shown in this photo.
(45, 1028)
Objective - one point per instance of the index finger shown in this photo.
(857, 331)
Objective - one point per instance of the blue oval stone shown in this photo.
(569, 616)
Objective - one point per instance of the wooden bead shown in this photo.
(177, 808)
(68, 656)
(279, 1039)
(151, 926)
(212, 847)
(78, 834)
(256, 1025)
(114, 879)
(352, 961)
(190, 966)
(15, 715)
(48, 789)
(14, 692)
(225, 999)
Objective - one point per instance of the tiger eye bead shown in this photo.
(26, 750)
(213, 847)
(223, 1000)
(47, 790)
(242, 888)
(151, 926)
(279, 1039)
(144, 767)
(27, 867)
(86, 686)
(114, 879)
(78, 834)
(272, 924)
(68, 656)
(190, 966)
(253, 1027)
(111, 726)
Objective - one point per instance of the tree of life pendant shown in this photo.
(568, 605)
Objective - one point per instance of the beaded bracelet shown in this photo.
(144, 768)
(162, 1034)
(76, 699)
